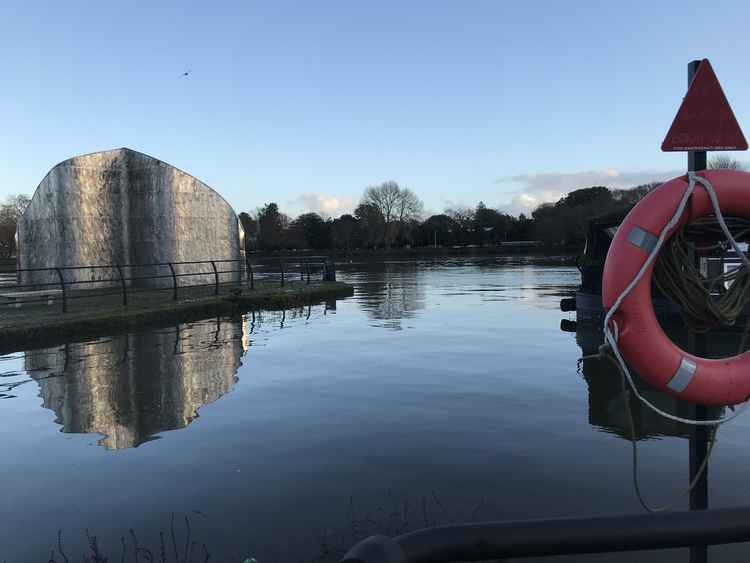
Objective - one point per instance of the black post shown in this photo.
(250, 277)
(281, 262)
(216, 278)
(174, 281)
(122, 283)
(62, 287)
(697, 161)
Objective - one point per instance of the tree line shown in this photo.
(389, 216)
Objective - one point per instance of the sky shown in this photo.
(308, 103)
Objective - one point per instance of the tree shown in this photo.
(343, 231)
(463, 221)
(10, 211)
(316, 232)
(586, 196)
(396, 205)
(371, 225)
(490, 225)
(724, 161)
(437, 230)
(271, 227)
(632, 196)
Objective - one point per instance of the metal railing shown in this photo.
(122, 283)
(564, 536)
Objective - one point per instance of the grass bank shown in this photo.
(29, 327)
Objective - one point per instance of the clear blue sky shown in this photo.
(306, 103)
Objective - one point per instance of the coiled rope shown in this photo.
(677, 277)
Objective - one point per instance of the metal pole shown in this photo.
(250, 277)
(282, 272)
(216, 278)
(122, 282)
(174, 281)
(62, 287)
(697, 161)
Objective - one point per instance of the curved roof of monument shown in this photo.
(125, 150)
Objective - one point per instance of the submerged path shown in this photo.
(91, 314)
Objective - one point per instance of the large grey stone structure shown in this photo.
(123, 207)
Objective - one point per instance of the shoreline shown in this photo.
(567, 253)
(34, 330)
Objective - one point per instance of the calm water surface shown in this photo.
(442, 391)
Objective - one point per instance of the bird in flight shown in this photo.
(186, 73)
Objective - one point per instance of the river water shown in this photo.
(443, 391)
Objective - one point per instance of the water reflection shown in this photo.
(390, 291)
(608, 401)
(133, 386)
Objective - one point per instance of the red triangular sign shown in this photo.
(705, 121)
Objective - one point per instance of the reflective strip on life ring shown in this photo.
(641, 340)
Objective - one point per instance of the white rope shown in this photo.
(611, 339)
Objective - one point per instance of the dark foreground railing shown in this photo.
(538, 538)
(121, 282)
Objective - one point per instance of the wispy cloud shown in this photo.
(324, 204)
(537, 188)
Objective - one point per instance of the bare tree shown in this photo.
(724, 161)
(397, 206)
(10, 211)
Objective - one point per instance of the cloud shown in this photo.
(538, 188)
(324, 204)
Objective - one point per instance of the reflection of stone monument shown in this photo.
(123, 207)
(132, 386)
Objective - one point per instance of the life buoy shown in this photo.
(640, 338)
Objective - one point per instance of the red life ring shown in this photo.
(641, 340)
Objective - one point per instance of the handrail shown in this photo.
(126, 279)
(563, 536)
(151, 264)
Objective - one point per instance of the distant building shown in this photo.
(123, 207)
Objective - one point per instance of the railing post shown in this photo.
(250, 277)
(282, 272)
(216, 278)
(174, 281)
(330, 270)
(302, 265)
(307, 265)
(122, 284)
(62, 287)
